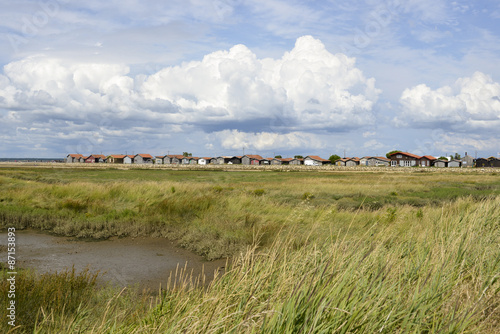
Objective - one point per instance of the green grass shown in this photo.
(437, 271)
(216, 213)
(39, 298)
(312, 252)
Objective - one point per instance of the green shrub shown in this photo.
(307, 196)
(259, 192)
(75, 205)
(217, 189)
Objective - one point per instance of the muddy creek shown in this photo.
(146, 262)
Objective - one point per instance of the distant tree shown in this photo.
(333, 158)
(457, 156)
(388, 155)
(186, 154)
(278, 157)
(298, 157)
(442, 158)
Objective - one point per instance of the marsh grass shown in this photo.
(436, 274)
(52, 295)
(216, 213)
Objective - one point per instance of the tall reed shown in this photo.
(439, 274)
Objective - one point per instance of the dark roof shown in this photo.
(407, 154)
(380, 158)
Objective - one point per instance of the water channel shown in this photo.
(147, 262)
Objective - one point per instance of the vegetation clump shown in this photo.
(259, 192)
(307, 196)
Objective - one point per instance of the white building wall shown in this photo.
(310, 162)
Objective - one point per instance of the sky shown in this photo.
(223, 77)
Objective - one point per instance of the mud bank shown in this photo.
(147, 262)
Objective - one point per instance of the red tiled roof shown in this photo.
(145, 155)
(118, 156)
(315, 157)
(75, 155)
(99, 156)
(131, 156)
(254, 156)
(178, 156)
(407, 154)
(430, 157)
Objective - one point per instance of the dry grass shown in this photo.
(435, 274)
(216, 213)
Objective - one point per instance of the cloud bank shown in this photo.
(229, 92)
(472, 103)
(236, 140)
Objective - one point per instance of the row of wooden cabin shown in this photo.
(397, 159)
(186, 160)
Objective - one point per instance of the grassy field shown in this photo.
(333, 251)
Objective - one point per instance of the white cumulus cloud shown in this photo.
(470, 103)
(235, 140)
(307, 89)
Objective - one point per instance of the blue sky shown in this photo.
(270, 77)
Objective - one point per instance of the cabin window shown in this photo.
(399, 156)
